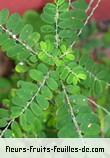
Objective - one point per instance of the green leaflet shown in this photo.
(33, 59)
(36, 75)
(4, 84)
(27, 125)
(3, 16)
(20, 54)
(63, 7)
(78, 14)
(90, 126)
(80, 4)
(37, 110)
(43, 68)
(60, 2)
(52, 84)
(15, 111)
(46, 92)
(44, 58)
(4, 117)
(92, 130)
(48, 18)
(15, 25)
(66, 24)
(81, 76)
(64, 74)
(3, 123)
(15, 127)
(71, 132)
(33, 39)
(65, 15)
(66, 34)
(47, 29)
(20, 101)
(73, 89)
(106, 125)
(50, 8)
(26, 32)
(43, 103)
(32, 17)
(62, 113)
(4, 113)
(9, 134)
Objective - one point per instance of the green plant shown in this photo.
(57, 80)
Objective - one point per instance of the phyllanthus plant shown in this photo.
(52, 97)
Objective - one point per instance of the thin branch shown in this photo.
(6, 128)
(90, 74)
(49, 55)
(34, 96)
(69, 4)
(96, 78)
(71, 111)
(13, 36)
(27, 105)
(22, 43)
(70, 70)
(56, 27)
(87, 20)
(89, 5)
(99, 106)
